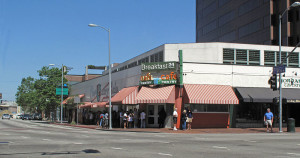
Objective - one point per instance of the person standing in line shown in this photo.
(268, 118)
(135, 118)
(121, 118)
(175, 115)
(143, 119)
(125, 119)
(183, 120)
(101, 119)
(161, 118)
(130, 120)
(106, 119)
(91, 118)
(189, 118)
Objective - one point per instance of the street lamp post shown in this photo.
(109, 70)
(295, 4)
(62, 95)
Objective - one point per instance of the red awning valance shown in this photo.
(126, 96)
(98, 104)
(80, 96)
(156, 95)
(86, 105)
(209, 94)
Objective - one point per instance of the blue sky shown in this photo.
(35, 33)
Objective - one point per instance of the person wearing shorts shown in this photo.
(268, 118)
(189, 119)
(175, 115)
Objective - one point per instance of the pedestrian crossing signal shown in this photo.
(273, 82)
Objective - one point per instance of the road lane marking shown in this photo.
(85, 136)
(46, 139)
(165, 142)
(221, 147)
(116, 148)
(78, 143)
(251, 141)
(295, 154)
(159, 136)
(24, 137)
(298, 144)
(164, 154)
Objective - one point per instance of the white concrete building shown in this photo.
(244, 67)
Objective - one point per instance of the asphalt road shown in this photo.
(20, 138)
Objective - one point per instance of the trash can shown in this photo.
(291, 125)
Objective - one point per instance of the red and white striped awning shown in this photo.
(210, 94)
(156, 95)
(125, 96)
(80, 96)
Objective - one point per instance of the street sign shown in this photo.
(76, 99)
(278, 69)
(65, 91)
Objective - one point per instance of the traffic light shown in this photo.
(273, 82)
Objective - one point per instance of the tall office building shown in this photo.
(247, 21)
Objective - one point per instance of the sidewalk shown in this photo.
(193, 131)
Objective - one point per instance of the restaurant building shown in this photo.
(224, 84)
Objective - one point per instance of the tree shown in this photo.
(40, 94)
(26, 94)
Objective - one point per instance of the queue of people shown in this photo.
(135, 118)
(132, 119)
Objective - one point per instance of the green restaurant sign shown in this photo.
(159, 73)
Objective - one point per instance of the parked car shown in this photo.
(37, 116)
(18, 116)
(27, 117)
(6, 116)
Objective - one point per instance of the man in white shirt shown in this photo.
(175, 115)
(143, 119)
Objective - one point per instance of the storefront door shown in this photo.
(152, 114)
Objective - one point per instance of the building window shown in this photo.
(226, 17)
(241, 56)
(269, 58)
(248, 6)
(228, 56)
(158, 57)
(209, 9)
(254, 57)
(250, 28)
(144, 60)
(208, 107)
(293, 60)
(209, 27)
(272, 56)
(223, 2)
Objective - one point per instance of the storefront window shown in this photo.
(208, 107)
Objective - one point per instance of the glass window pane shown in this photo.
(294, 60)
(254, 57)
(228, 56)
(217, 108)
(269, 58)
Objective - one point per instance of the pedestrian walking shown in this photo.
(143, 119)
(268, 118)
(101, 119)
(189, 118)
(183, 119)
(175, 115)
(161, 118)
(130, 120)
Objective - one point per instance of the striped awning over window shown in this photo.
(126, 96)
(210, 94)
(156, 95)
(86, 105)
